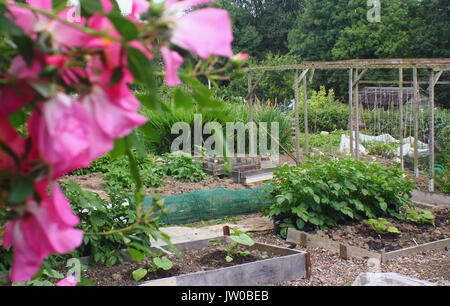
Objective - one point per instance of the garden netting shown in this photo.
(202, 205)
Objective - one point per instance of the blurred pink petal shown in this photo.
(205, 32)
(43, 230)
(13, 97)
(114, 121)
(10, 136)
(172, 61)
(61, 131)
(67, 282)
(41, 4)
(179, 6)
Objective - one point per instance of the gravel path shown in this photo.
(330, 270)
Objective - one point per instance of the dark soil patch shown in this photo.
(174, 187)
(411, 234)
(209, 258)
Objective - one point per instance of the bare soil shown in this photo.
(94, 182)
(173, 186)
(204, 259)
(411, 234)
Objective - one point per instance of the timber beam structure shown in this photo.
(357, 70)
(419, 63)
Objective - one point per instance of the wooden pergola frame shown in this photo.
(357, 69)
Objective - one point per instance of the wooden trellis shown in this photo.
(357, 69)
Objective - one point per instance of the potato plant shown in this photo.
(324, 192)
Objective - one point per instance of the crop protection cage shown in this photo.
(407, 101)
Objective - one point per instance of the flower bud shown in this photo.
(239, 58)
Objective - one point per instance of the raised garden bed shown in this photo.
(357, 239)
(204, 264)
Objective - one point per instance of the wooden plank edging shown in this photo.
(345, 251)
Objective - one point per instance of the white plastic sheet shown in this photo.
(408, 144)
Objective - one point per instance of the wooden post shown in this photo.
(356, 92)
(416, 122)
(350, 107)
(226, 230)
(305, 114)
(400, 106)
(431, 127)
(343, 251)
(296, 118)
(250, 98)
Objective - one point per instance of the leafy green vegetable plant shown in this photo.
(183, 168)
(421, 216)
(156, 263)
(324, 192)
(381, 149)
(100, 219)
(382, 226)
(239, 238)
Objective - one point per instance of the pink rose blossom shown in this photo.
(110, 119)
(9, 136)
(205, 32)
(13, 97)
(62, 35)
(60, 129)
(43, 229)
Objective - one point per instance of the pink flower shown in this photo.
(60, 129)
(69, 281)
(61, 35)
(139, 7)
(10, 137)
(205, 32)
(43, 229)
(13, 97)
(110, 118)
(68, 74)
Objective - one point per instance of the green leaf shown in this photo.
(18, 118)
(86, 283)
(137, 144)
(120, 147)
(116, 76)
(23, 187)
(139, 274)
(53, 273)
(316, 198)
(243, 239)
(141, 67)
(162, 249)
(23, 43)
(229, 258)
(182, 100)
(125, 27)
(300, 223)
(393, 229)
(137, 256)
(59, 5)
(163, 263)
(90, 7)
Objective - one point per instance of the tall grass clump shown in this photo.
(233, 113)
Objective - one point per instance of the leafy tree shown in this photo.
(262, 26)
(246, 37)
